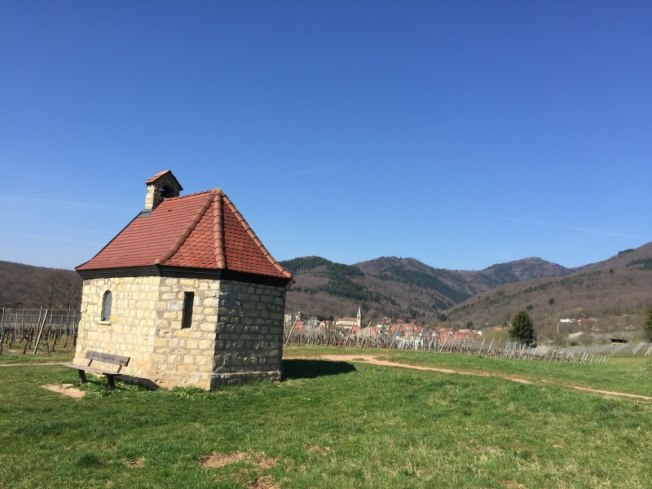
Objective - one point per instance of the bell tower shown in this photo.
(161, 186)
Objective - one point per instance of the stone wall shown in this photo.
(236, 332)
(131, 329)
(249, 333)
(185, 356)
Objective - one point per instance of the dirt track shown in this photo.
(29, 364)
(373, 360)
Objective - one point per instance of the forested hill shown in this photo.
(615, 292)
(30, 286)
(398, 287)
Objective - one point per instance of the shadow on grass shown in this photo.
(311, 369)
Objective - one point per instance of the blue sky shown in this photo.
(459, 133)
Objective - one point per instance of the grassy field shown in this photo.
(334, 424)
(628, 374)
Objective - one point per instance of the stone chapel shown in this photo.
(187, 291)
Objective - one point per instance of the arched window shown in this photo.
(106, 306)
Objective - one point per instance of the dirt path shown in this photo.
(373, 360)
(29, 364)
(66, 389)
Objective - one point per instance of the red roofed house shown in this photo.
(187, 291)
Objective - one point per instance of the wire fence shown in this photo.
(451, 342)
(635, 348)
(27, 330)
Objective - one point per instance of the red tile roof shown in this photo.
(198, 231)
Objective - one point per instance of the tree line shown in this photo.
(26, 286)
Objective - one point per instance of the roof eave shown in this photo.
(184, 272)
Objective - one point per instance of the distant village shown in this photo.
(402, 334)
(410, 334)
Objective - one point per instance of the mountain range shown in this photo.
(615, 292)
(405, 288)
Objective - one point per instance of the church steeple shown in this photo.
(359, 318)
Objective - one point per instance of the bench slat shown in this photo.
(99, 371)
(108, 358)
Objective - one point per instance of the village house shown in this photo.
(187, 291)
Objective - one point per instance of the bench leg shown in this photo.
(82, 376)
(111, 382)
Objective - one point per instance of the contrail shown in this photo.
(62, 203)
(563, 226)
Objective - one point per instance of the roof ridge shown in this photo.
(179, 197)
(218, 228)
(254, 238)
(186, 232)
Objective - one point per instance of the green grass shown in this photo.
(622, 374)
(331, 424)
(632, 375)
(15, 355)
(12, 358)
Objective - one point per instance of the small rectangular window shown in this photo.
(188, 299)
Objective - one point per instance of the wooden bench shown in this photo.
(118, 360)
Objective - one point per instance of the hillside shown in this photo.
(29, 286)
(613, 293)
(398, 287)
